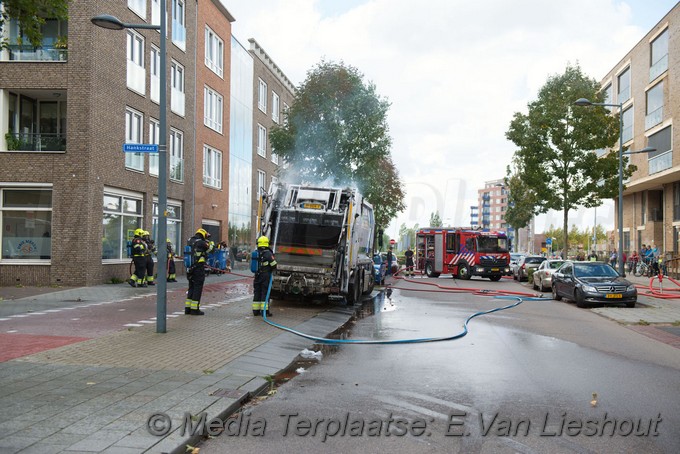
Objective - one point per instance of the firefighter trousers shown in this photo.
(260, 287)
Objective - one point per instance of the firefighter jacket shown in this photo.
(138, 247)
(200, 248)
(171, 253)
(267, 262)
(150, 247)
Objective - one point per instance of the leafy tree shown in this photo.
(521, 199)
(31, 15)
(336, 133)
(408, 235)
(556, 141)
(435, 219)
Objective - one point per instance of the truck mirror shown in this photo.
(380, 239)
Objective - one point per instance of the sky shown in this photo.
(454, 72)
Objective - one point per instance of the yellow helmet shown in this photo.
(203, 233)
(139, 232)
(263, 241)
(146, 233)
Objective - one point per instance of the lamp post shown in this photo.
(583, 102)
(113, 23)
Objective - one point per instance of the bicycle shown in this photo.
(642, 269)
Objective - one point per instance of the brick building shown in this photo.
(645, 83)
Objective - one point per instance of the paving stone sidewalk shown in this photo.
(100, 395)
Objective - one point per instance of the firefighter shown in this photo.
(172, 277)
(139, 259)
(150, 252)
(200, 248)
(409, 261)
(266, 264)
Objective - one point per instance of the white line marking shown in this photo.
(133, 324)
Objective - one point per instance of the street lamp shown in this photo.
(584, 102)
(113, 23)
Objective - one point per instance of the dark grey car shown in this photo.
(592, 282)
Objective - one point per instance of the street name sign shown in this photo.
(140, 148)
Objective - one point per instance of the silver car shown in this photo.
(524, 265)
(543, 274)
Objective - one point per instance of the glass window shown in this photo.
(177, 88)
(662, 158)
(624, 86)
(138, 7)
(627, 132)
(154, 71)
(154, 135)
(26, 215)
(156, 12)
(133, 134)
(285, 114)
(214, 52)
(212, 109)
(261, 180)
(676, 201)
(176, 146)
(178, 24)
(275, 107)
(212, 167)
(262, 96)
(261, 140)
(122, 216)
(136, 74)
(174, 224)
(658, 56)
(654, 114)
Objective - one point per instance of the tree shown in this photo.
(31, 15)
(337, 134)
(435, 219)
(557, 140)
(521, 199)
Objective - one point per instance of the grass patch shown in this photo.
(643, 323)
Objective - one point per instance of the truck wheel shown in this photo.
(371, 283)
(429, 270)
(354, 291)
(464, 271)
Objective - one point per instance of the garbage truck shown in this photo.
(322, 238)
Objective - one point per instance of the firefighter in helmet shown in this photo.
(265, 266)
(150, 252)
(200, 248)
(139, 259)
(172, 276)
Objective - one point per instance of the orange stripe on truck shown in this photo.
(299, 250)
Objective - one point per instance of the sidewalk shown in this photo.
(99, 395)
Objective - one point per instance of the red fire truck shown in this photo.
(462, 252)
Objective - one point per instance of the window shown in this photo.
(133, 134)
(156, 12)
(261, 179)
(608, 96)
(154, 135)
(654, 106)
(643, 209)
(627, 132)
(177, 88)
(285, 114)
(138, 7)
(154, 70)
(658, 56)
(136, 75)
(122, 215)
(212, 167)
(676, 201)
(212, 109)
(261, 140)
(26, 223)
(624, 86)
(176, 147)
(173, 222)
(626, 241)
(179, 31)
(214, 52)
(275, 107)
(662, 158)
(275, 158)
(262, 96)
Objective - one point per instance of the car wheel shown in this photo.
(543, 287)
(514, 276)
(579, 298)
(555, 295)
(534, 286)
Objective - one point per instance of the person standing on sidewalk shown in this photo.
(139, 259)
(266, 264)
(200, 248)
(172, 276)
(150, 252)
(390, 258)
(409, 261)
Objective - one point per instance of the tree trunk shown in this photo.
(565, 226)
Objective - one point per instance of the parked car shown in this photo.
(379, 269)
(592, 282)
(521, 272)
(542, 275)
(514, 259)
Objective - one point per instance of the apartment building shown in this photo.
(273, 93)
(69, 197)
(644, 83)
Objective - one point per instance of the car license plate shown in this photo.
(495, 269)
(614, 295)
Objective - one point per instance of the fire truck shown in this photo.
(462, 252)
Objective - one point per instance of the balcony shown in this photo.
(16, 52)
(35, 142)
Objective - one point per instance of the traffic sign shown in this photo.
(140, 148)
(393, 241)
(548, 241)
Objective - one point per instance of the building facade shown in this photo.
(644, 84)
(69, 197)
(273, 93)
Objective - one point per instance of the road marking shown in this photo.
(53, 310)
(37, 313)
(18, 316)
(13, 331)
(3, 319)
(133, 324)
(146, 321)
(74, 319)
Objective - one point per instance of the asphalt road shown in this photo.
(522, 380)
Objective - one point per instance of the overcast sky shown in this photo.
(454, 72)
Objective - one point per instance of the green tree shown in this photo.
(336, 133)
(408, 235)
(435, 219)
(556, 142)
(31, 15)
(521, 199)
